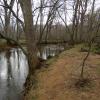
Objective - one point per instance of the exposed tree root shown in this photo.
(82, 83)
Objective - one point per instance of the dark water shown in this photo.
(14, 70)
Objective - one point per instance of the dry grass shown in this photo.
(58, 81)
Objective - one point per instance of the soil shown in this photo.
(59, 80)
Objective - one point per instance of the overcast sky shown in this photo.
(69, 12)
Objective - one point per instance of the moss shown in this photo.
(98, 68)
(94, 49)
(34, 97)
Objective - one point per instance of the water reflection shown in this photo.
(13, 72)
(50, 50)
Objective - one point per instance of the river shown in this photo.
(14, 70)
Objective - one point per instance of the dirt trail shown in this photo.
(58, 81)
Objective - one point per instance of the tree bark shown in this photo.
(31, 42)
(29, 33)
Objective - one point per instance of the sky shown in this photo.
(69, 12)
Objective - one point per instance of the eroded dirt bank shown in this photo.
(57, 82)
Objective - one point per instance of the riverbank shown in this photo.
(57, 81)
(4, 46)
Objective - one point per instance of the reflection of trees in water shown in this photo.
(16, 64)
(18, 57)
(50, 50)
(12, 65)
(13, 74)
(14, 69)
(9, 74)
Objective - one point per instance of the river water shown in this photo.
(14, 70)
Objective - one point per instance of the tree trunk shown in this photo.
(30, 37)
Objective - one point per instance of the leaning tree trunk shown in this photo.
(30, 37)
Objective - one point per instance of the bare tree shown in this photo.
(7, 17)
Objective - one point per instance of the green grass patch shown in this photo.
(98, 69)
(94, 49)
